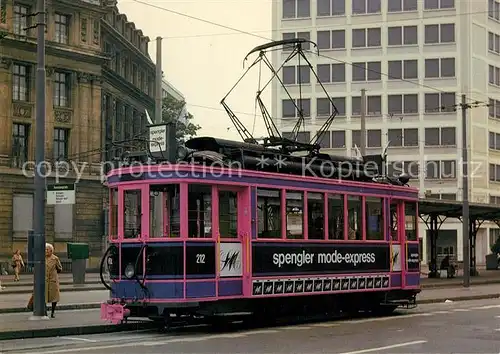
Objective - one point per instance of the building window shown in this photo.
(494, 10)
(407, 35)
(373, 105)
(292, 35)
(399, 104)
(494, 141)
(494, 108)
(403, 69)
(291, 107)
(442, 33)
(296, 75)
(296, 8)
(440, 68)
(366, 6)
(331, 73)
(61, 89)
(330, 8)
(338, 139)
(446, 169)
(22, 215)
(440, 136)
(20, 82)
(21, 20)
(324, 106)
(366, 37)
(62, 28)
(440, 102)
(494, 42)
(20, 144)
(374, 138)
(331, 39)
(493, 75)
(61, 143)
(403, 137)
(370, 71)
(324, 141)
(401, 5)
(439, 4)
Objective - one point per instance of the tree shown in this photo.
(174, 111)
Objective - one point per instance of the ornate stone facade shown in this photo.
(73, 126)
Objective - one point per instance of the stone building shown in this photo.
(88, 83)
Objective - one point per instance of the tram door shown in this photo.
(233, 233)
(397, 234)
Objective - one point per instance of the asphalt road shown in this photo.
(465, 327)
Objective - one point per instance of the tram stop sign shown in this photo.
(61, 194)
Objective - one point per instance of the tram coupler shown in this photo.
(114, 313)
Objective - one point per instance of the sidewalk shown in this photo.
(69, 301)
(66, 323)
(64, 279)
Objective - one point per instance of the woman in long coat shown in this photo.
(52, 268)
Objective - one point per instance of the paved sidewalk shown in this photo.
(18, 326)
(459, 293)
(64, 278)
(69, 300)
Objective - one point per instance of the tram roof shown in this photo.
(453, 209)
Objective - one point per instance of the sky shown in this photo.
(204, 61)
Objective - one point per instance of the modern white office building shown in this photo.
(412, 57)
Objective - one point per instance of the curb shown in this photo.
(63, 290)
(459, 298)
(75, 331)
(88, 306)
(458, 284)
(10, 284)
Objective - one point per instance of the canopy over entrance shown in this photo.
(435, 212)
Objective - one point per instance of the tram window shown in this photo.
(156, 215)
(411, 221)
(294, 215)
(269, 213)
(374, 218)
(113, 206)
(164, 222)
(132, 211)
(394, 222)
(335, 217)
(316, 213)
(173, 209)
(228, 214)
(355, 216)
(199, 211)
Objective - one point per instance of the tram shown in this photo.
(226, 228)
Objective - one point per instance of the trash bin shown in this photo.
(78, 253)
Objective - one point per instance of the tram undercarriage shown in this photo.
(265, 309)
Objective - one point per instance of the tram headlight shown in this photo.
(129, 271)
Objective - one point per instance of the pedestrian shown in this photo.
(17, 264)
(52, 269)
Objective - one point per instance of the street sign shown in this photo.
(61, 194)
(158, 138)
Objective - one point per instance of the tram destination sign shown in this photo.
(293, 259)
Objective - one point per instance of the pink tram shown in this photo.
(224, 228)
(245, 241)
